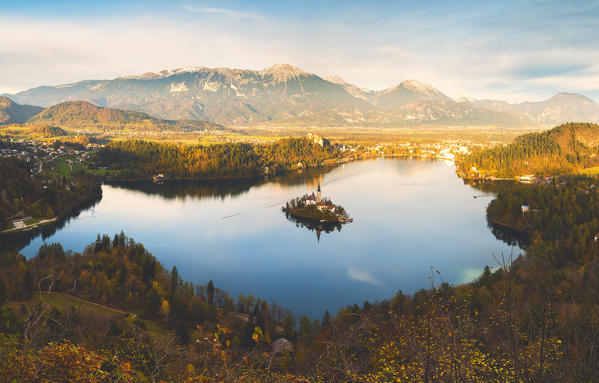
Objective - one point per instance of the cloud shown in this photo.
(515, 53)
(52, 52)
(224, 12)
(363, 276)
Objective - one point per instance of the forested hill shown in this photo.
(84, 115)
(22, 196)
(141, 159)
(13, 113)
(566, 149)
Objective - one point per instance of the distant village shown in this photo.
(37, 153)
(443, 150)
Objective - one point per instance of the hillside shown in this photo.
(566, 149)
(13, 113)
(283, 94)
(47, 131)
(115, 313)
(82, 115)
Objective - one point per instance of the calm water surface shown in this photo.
(408, 216)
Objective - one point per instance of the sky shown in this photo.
(521, 50)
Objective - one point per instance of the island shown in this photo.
(316, 213)
(314, 208)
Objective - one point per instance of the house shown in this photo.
(527, 179)
(596, 238)
(315, 199)
(158, 178)
(525, 208)
(321, 206)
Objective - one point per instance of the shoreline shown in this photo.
(96, 197)
(324, 166)
(507, 226)
(32, 226)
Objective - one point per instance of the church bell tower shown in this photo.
(318, 195)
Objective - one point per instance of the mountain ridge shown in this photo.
(560, 108)
(283, 93)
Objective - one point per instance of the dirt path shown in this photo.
(92, 303)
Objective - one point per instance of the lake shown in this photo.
(409, 216)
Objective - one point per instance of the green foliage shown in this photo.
(23, 196)
(562, 215)
(532, 319)
(565, 149)
(141, 159)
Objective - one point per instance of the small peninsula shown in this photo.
(316, 209)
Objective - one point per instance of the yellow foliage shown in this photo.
(165, 307)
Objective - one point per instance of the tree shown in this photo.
(197, 314)
(153, 302)
(210, 292)
(174, 283)
(326, 320)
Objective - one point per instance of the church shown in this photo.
(314, 199)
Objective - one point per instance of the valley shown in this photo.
(299, 192)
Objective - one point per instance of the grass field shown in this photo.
(32, 221)
(63, 302)
(269, 134)
(368, 136)
(64, 169)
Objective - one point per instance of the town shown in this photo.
(45, 155)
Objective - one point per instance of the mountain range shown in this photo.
(284, 94)
(82, 115)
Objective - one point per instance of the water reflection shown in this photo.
(409, 215)
(17, 241)
(508, 235)
(220, 188)
(318, 227)
(503, 233)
